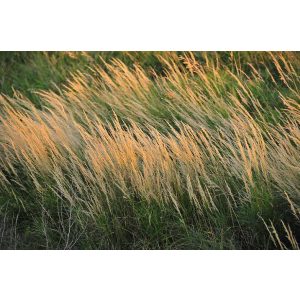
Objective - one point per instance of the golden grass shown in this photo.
(116, 132)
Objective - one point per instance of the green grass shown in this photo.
(76, 213)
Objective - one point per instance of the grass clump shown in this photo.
(150, 151)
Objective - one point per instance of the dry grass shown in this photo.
(199, 133)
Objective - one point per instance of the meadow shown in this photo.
(149, 150)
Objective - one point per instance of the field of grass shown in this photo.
(144, 150)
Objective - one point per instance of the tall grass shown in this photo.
(203, 154)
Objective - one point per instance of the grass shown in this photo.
(150, 150)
